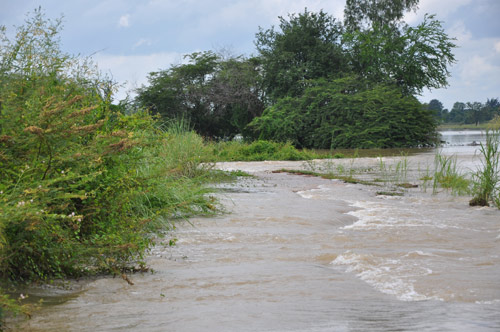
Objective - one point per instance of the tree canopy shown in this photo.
(414, 57)
(365, 14)
(306, 46)
(308, 52)
(345, 113)
(218, 96)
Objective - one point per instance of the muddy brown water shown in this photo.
(300, 253)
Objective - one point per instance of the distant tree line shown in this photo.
(465, 113)
(316, 81)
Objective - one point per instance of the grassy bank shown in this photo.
(84, 189)
(456, 126)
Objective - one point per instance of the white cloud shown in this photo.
(477, 68)
(132, 70)
(124, 21)
(441, 8)
(475, 76)
(460, 32)
(142, 42)
(497, 46)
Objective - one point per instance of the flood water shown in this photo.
(300, 253)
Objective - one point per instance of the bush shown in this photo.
(82, 186)
(260, 150)
(347, 113)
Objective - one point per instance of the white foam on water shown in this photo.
(488, 302)
(321, 192)
(389, 276)
(418, 253)
(376, 215)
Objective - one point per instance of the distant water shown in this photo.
(462, 141)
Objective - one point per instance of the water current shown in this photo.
(302, 253)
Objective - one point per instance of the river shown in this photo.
(302, 253)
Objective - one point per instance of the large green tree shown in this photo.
(305, 46)
(346, 113)
(218, 96)
(364, 14)
(436, 107)
(414, 58)
(390, 61)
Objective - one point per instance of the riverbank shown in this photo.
(301, 253)
(456, 126)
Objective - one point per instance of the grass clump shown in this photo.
(328, 176)
(447, 175)
(259, 151)
(485, 187)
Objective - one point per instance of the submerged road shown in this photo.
(298, 253)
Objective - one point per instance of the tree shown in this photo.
(414, 57)
(307, 46)
(457, 113)
(382, 53)
(492, 108)
(474, 112)
(436, 107)
(364, 14)
(346, 113)
(219, 97)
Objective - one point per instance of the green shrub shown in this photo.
(347, 113)
(82, 185)
(260, 150)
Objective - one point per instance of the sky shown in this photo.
(130, 38)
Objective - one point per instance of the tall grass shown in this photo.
(260, 150)
(486, 179)
(447, 175)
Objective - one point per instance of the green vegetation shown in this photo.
(470, 115)
(83, 186)
(347, 112)
(217, 96)
(454, 126)
(486, 180)
(261, 150)
(87, 184)
(330, 176)
(317, 82)
(448, 176)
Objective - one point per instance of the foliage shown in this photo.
(306, 46)
(83, 186)
(473, 112)
(363, 14)
(486, 180)
(447, 175)
(436, 107)
(330, 88)
(344, 113)
(217, 96)
(413, 58)
(261, 150)
(494, 124)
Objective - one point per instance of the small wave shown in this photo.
(488, 302)
(419, 254)
(389, 276)
(318, 193)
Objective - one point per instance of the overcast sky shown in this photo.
(130, 38)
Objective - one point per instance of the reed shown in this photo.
(448, 176)
(486, 179)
